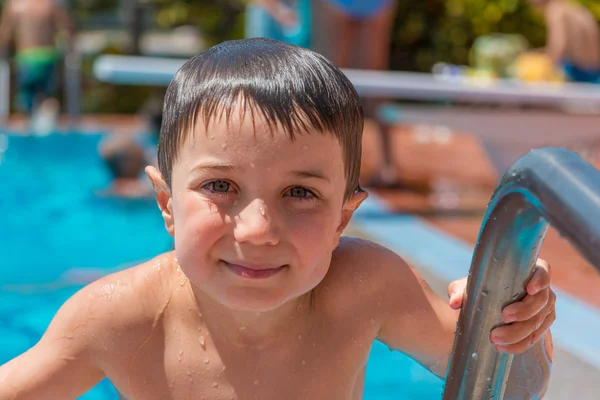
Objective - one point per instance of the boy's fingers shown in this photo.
(528, 307)
(523, 345)
(456, 301)
(518, 331)
(541, 277)
(457, 286)
(456, 290)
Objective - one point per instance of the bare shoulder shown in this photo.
(369, 273)
(116, 304)
(361, 257)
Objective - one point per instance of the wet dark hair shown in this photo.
(290, 87)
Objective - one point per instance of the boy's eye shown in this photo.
(218, 186)
(300, 192)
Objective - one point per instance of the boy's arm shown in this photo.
(6, 28)
(60, 365)
(421, 324)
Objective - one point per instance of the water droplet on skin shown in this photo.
(303, 362)
(475, 356)
(299, 337)
(180, 352)
(224, 146)
(223, 369)
(305, 147)
(479, 309)
(515, 296)
(489, 379)
(262, 211)
(206, 360)
(242, 328)
(109, 297)
(235, 203)
(252, 165)
(182, 283)
(484, 293)
(300, 307)
(215, 385)
(202, 342)
(213, 208)
(256, 382)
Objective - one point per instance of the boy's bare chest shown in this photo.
(192, 364)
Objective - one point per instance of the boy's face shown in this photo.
(255, 215)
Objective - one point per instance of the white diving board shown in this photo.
(130, 70)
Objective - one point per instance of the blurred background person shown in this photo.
(572, 40)
(36, 27)
(125, 160)
(356, 34)
(285, 20)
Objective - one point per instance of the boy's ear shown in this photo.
(350, 206)
(163, 198)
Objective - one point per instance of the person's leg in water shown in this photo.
(354, 34)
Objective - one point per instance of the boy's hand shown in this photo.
(526, 320)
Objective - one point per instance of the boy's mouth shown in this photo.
(253, 271)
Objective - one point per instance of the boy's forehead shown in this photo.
(255, 145)
(250, 134)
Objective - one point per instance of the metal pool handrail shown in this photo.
(546, 186)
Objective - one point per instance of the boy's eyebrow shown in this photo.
(214, 165)
(311, 173)
(308, 173)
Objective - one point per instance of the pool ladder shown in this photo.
(546, 186)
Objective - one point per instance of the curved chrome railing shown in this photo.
(549, 185)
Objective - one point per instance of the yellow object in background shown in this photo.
(536, 67)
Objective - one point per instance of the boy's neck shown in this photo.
(251, 328)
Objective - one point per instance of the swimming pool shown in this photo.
(56, 233)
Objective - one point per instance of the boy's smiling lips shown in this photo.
(252, 270)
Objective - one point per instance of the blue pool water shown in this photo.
(53, 224)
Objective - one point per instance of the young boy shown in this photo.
(573, 41)
(259, 159)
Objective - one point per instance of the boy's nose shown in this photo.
(255, 225)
